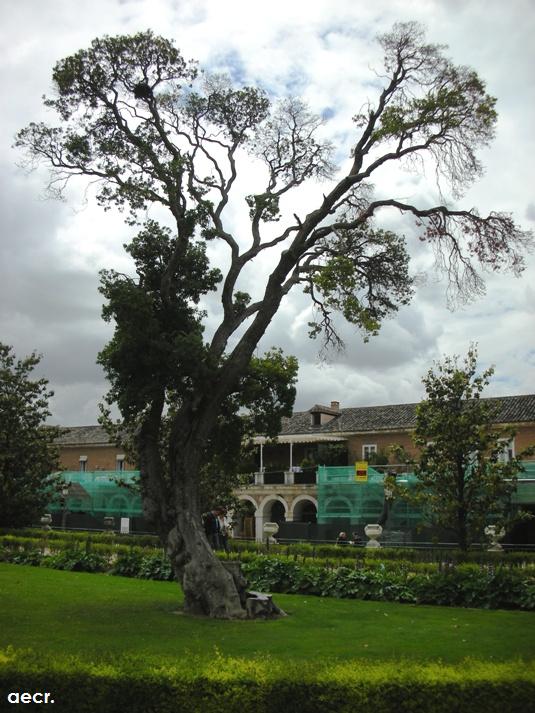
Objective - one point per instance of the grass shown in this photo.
(94, 616)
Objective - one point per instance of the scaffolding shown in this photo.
(340, 495)
(100, 493)
(525, 490)
(115, 493)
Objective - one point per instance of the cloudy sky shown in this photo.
(324, 51)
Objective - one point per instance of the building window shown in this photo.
(83, 463)
(367, 449)
(508, 450)
(316, 418)
(119, 463)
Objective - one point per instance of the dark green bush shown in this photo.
(76, 559)
(465, 585)
(127, 565)
(156, 566)
(29, 555)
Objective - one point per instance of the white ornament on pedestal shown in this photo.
(492, 532)
(373, 532)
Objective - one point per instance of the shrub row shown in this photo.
(334, 562)
(466, 585)
(75, 536)
(410, 554)
(106, 549)
(238, 685)
(141, 564)
(110, 553)
(302, 549)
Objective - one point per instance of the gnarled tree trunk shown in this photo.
(209, 589)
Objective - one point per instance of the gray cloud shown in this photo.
(50, 257)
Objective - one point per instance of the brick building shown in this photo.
(283, 488)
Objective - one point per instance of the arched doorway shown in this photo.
(272, 509)
(277, 512)
(305, 510)
(245, 521)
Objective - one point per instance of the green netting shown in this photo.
(102, 492)
(525, 491)
(341, 496)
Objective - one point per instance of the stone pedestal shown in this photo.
(373, 532)
(261, 606)
(256, 604)
(492, 532)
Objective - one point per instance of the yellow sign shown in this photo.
(361, 471)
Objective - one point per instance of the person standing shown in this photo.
(212, 527)
(223, 531)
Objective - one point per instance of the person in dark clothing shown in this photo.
(357, 540)
(212, 527)
(342, 539)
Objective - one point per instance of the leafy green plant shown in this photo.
(77, 560)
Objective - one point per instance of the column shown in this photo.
(289, 474)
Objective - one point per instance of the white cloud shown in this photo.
(51, 252)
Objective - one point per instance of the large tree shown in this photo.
(465, 474)
(28, 455)
(148, 130)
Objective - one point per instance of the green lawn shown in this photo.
(94, 616)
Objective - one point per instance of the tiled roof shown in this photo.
(84, 435)
(511, 409)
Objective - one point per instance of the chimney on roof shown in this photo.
(335, 405)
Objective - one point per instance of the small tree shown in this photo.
(28, 455)
(464, 479)
(141, 124)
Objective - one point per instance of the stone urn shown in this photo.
(492, 532)
(373, 533)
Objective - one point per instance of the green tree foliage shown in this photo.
(159, 344)
(150, 132)
(28, 455)
(465, 479)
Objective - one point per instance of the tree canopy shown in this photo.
(465, 473)
(150, 131)
(28, 455)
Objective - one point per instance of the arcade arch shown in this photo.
(304, 509)
(273, 508)
(246, 521)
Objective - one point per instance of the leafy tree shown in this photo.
(463, 479)
(28, 455)
(158, 347)
(148, 130)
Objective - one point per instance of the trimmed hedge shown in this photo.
(25, 550)
(465, 585)
(304, 550)
(236, 685)
(408, 554)
(80, 537)
(112, 546)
